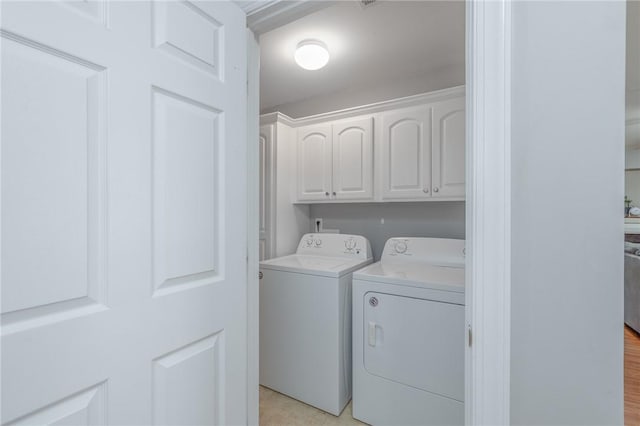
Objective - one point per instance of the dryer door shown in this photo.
(416, 342)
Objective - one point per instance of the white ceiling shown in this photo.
(389, 41)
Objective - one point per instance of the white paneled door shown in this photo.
(123, 213)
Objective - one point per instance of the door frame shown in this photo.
(253, 231)
(488, 201)
(488, 212)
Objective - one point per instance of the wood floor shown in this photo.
(631, 377)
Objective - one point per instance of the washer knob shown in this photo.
(309, 242)
(318, 242)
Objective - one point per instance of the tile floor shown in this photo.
(280, 410)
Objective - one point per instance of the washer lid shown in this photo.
(325, 266)
(415, 274)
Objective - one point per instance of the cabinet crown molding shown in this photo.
(407, 101)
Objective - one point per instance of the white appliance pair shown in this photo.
(408, 328)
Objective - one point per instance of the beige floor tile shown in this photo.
(280, 410)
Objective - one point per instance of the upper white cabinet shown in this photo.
(314, 162)
(353, 159)
(410, 149)
(422, 152)
(335, 161)
(405, 154)
(448, 149)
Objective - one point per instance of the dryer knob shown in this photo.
(401, 247)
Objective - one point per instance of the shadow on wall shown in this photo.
(381, 221)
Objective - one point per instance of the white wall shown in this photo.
(437, 80)
(567, 232)
(427, 219)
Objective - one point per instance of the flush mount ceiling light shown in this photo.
(311, 54)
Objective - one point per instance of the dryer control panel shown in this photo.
(437, 251)
(336, 245)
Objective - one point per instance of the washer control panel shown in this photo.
(342, 245)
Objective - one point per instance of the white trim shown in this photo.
(271, 14)
(374, 108)
(488, 296)
(277, 117)
(253, 233)
(271, 188)
(252, 7)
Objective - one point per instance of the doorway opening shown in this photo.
(400, 67)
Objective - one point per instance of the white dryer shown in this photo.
(409, 334)
(305, 319)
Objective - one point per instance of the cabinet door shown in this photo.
(265, 146)
(406, 153)
(448, 149)
(353, 159)
(314, 163)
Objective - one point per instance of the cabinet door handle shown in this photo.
(326, 194)
(435, 189)
(426, 190)
(334, 194)
(260, 275)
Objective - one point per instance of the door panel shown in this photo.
(265, 147)
(53, 222)
(449, 149)
(406, 153)
(353, 159)
(123, 213)
(415, 342)
(314, 162)
(185, 193)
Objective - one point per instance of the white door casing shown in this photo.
(488, 212)
(353, 159)
(124, 213)
(406, 153)
(314, 162)
(448, 167)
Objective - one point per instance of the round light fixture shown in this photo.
(311, 54)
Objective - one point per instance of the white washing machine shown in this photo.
(409, 334)
(305, 319)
